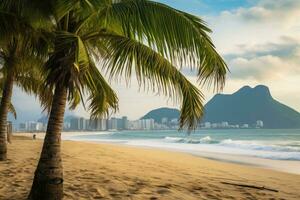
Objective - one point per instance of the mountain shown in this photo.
(248, 105)
(70, 117)
(245, 106)
(44, 119)
(160, 113)
(34, 115)
(24, 115)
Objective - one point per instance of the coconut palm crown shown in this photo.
(21, 55)
(121, 38)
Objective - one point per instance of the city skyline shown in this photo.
(118, 124)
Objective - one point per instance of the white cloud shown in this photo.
(267, 21)
(256, 68)
(261, 45)
(266, 61)
(274, 11)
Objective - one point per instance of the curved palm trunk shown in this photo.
(4, 106)
(48, 179)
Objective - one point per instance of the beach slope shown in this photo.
(104, 171)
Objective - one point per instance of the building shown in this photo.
(207, 125)
(134, 125)
(143, 124)
(40, 126)
(245, 126)
(101, 124)
(32, 126)
(259, 124)
(22, 127)
(35, 126)
(112, 124)
(79, 124)
(214, 125)
(174, 121)
(148, 124)
(83, 124)
(67, 125)
(125, 123)
(74, 124)
(119, 124)
(224, 125)
(164, 120)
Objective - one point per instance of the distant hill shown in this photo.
(24, 115)
(248, 105)
(160, 113)
(245, 106)
(44, 119)
(69, 118)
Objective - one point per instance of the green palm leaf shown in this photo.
(155, 72)
(102, 97)
(12, 110)
(180, 37)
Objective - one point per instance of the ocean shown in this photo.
(234, 145)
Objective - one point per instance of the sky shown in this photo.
(259, 40)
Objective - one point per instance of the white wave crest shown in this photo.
(204, 140)
(258, 145)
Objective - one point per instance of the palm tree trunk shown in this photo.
(6, 99)
(48, 179)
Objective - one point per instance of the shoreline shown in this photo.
(286, 166)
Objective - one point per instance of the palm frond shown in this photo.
(152, 70)
(33, 82)
(180, 37)
(102, 97)
(8, 25)
(12, 110)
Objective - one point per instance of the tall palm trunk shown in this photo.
(6, 100)
(48, 179)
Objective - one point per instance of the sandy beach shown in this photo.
(105, 171)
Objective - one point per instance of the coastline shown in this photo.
(287, 166)
(112, 171)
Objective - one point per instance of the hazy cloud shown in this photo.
(268, 10)
(265, 61)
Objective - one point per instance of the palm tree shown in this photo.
(13, 111)
(122, 37)
(11, 108)
(23, 74)
(19, 62)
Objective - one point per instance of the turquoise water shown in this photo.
(281, 144)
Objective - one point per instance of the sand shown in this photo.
(105, 171)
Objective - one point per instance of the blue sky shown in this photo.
(259, 39)
(207, 7)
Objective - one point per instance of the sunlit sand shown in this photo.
(105, 171)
